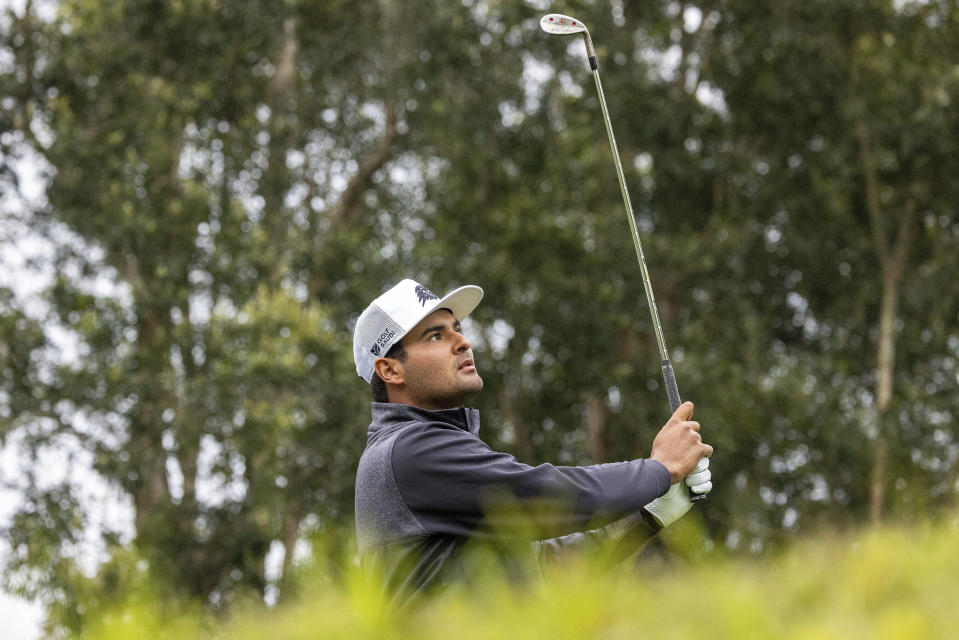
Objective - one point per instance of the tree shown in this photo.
(858, 205)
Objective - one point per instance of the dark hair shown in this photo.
(377, 386)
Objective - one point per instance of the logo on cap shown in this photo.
(382, 341)
(424, 295)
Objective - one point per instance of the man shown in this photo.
(427, 483)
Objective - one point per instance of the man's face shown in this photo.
(439, 372)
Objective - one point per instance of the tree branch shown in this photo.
(347, 207)
(868, 164)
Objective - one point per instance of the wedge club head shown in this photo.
(559, 25)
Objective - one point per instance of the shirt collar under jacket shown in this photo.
(388, 417)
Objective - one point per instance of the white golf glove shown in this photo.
(673, 505)
(698, 481)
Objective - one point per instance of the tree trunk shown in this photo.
(291, 529)
(148, 462)
(886, 371)
(892, 255)
(522, 442)
(595, 427)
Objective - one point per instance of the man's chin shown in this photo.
(477, 383)
(468, 391)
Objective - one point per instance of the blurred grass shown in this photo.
(890, 583)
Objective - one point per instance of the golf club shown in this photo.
(558, 24)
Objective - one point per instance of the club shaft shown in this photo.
(669, 379)
(640, 256)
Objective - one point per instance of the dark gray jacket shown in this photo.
(426, 483)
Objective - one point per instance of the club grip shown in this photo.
(672, 392)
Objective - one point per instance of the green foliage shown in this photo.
(892, 583)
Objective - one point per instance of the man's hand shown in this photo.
(678, 445)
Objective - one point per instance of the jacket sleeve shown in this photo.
(453, 483)
(618, 540)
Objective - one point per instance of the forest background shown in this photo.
(200, 196)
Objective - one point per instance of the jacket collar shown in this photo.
(388, 416)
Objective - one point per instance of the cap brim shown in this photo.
(461, 302)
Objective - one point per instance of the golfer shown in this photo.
(427, 483)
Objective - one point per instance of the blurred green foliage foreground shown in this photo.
(890, 583)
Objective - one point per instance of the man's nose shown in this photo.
(463, 344)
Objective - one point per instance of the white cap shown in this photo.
(394, 314)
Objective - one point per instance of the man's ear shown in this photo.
(390, 370)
